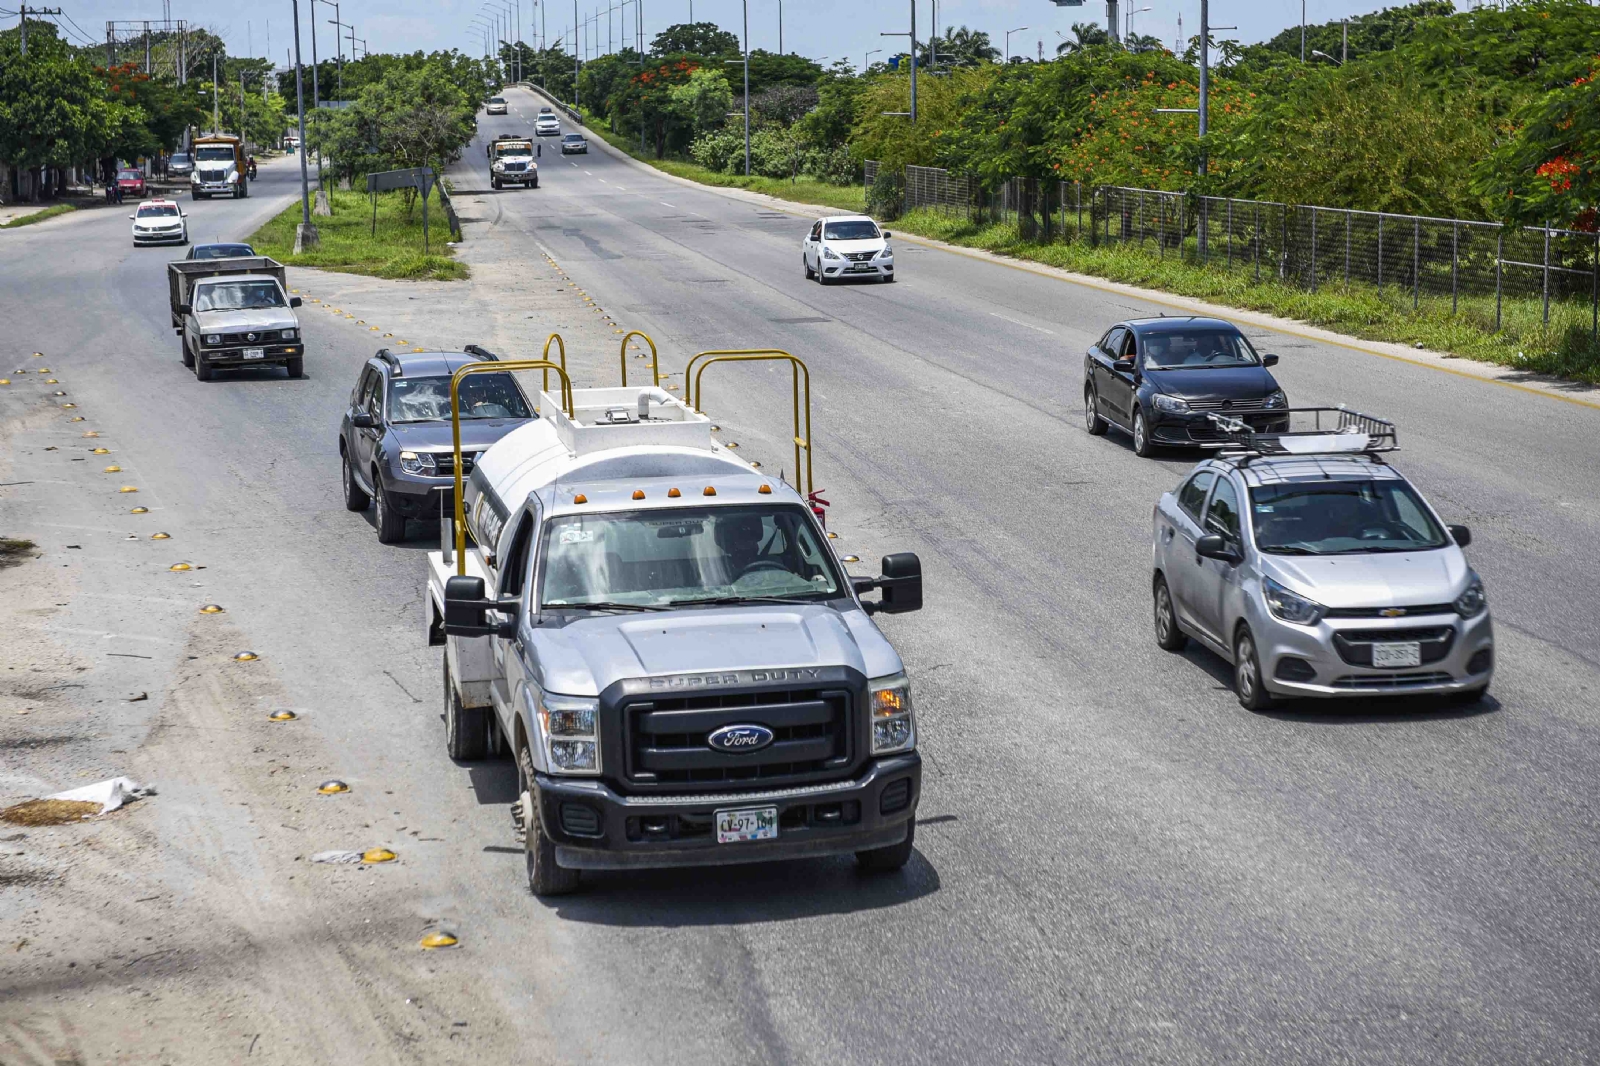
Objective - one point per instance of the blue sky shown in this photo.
(833, 28)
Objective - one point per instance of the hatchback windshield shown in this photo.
(238, 296)
(686, 555)
(219, 153)
(159, 211)
(1342, 518)
(131, 175)
(481, 396)
(851, 231)
(1190, 349)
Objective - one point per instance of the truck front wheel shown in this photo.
(545, 878)
(296, 366)
(202, 369)
(889, 859)
(183, 343)
(466, 729)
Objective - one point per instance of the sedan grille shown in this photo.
(1356, 682)
(1379, 612)
(1259, 404)
(859, 257)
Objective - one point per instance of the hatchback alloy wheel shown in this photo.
(1253, 695)
(1168, 636)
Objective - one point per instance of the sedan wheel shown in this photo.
(1091, 413)
(1141, 437)
(1168, 636)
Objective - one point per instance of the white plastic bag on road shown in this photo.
(110, 794)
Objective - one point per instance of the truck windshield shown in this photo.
(481, 396)
(685, 555)
(238, 296)
(218, 153)
(1342, 518)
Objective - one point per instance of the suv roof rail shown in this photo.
(481, 352)
(1332, 431)
(389, 357)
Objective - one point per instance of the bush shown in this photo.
(887, 197)
(721, 151)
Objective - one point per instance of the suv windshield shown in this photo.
(686, 555)
(1189, 349)
(851, 231)
(238, 296)
(481, 396)
(1342, 518)
(220, 153)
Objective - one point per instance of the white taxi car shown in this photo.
(160, 222)
(847, 246)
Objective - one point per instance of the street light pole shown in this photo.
(1007, 57)
(305, 234)
(746, 5)
(866, 60)
(576, 64)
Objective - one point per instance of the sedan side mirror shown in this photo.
(900, 584)
(295, 301)
(1462, 535)
(1122, 366)
(887, 235)
(363, 420)
(466, 609)
(132, 218)
(1212, 546)
(1269, 360)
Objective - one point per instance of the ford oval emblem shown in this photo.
(735, 738)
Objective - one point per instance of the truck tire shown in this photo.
(535, 183)
(494, 183)
(545, 878)
(889, 859)
(195, 194)
(183, 345)
(355, 497)
(391, 523)
(202, 369)
(466, 729)
(296, 366)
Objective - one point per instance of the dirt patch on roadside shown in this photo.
(49, 812)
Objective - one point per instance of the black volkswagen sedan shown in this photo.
(1159, 379)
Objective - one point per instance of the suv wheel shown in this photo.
(1253, 695)
(391, 523)
(355, 497)
(466, 729)
(891, 858)
(1091, 413)
(545, 878)
(1141, 437)
(1168, 636)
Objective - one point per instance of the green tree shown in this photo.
(1084, 35)
(768, 69)
(54, 109)
(645, 101)
(703, 102)
(962, 48)
(695, 38)
(602, 76)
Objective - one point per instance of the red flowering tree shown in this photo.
(647, 98)
(1549, 169)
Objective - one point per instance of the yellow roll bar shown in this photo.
(561, 346)
(455, 429)
(694, 395)
(655, 357)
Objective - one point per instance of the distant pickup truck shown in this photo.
(511, 163)
(231, 313)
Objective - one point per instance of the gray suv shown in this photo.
(395, 442)
(1316, 569)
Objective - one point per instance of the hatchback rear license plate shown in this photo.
(747, 823)
(255, 353)
(1407, 654)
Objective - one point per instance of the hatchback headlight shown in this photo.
(1276, 399)
(1170, 404)
(213, 338)
(418, 463)
(569, 727)
(894, 726)
(1474, 601)
(829, 253)
(1290, 606)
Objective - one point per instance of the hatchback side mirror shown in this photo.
(363, 420)
(1213, 546)
(295, 301)
(1269, 360)
(185, 309)
(1462, 535)
(132, 218)
(1122, 366)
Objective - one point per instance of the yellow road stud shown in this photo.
(438, 940)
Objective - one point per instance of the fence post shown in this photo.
(1594, 293)
(1313, 249)
(1078, 185)
(1205, 230)
(1455, 236)
(1547, 273)
(1347, 251)
(1380, 250)
(1255, 241)
(1499, 269)
(1141, 219)
(1416, 262)
(1230, 233)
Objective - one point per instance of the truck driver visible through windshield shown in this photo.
(238, 296)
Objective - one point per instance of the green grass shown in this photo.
(1565, 347)
(804, 190)
(350, 246)
(38, 216)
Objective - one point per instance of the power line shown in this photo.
(76, 33)
(80, 29)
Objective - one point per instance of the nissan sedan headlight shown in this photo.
(419, 463)
(569, 729)
(290, 334)
(1276, 400)
(894, 726)
(1170, 404)
(887, 253)
(1290, 606)
(1474, 601)
(829, 253)
(213, 338)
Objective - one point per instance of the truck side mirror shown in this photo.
(295, 301)
(465, 610)
(901, 583)
(185, 309)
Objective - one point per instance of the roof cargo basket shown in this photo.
(1311, 431)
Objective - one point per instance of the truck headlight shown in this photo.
(1290, 606)
(290, 334)
(233, 178)
(418, 463)
(1171, 404)
(213, 338)
(568, 727)
(499, 164)
(894, 726)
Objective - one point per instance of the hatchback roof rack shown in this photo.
(1320, 431)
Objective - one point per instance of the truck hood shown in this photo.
(476, 434)
(239, 321)
(582, 658)
(1389, 579)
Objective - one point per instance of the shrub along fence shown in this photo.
(1303, 245)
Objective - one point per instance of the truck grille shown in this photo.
(665, 738)
(515, 168)
(260, 336)
(213, 175)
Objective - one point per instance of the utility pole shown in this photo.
(746, 6)
(1111, 21)
(577, 65)
(1302, 31)
(23, 30)
(780, 27)
(1344, 44)
(306, 233)
(216, 95)
(1205, 77)
(912, 114)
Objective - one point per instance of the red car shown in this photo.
(131, 182)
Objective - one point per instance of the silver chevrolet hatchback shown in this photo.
(1317, 570)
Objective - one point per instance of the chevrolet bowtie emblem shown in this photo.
(1392, 612)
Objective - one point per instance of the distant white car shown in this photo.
(847, 246)
(496, 106)
(574, 144)
(547, 126)
(160, 222)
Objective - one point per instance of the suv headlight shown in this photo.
(829, 253)
(1276, 399)
(1290, 606)
(569, 729)
(1474, 601)
(418, 463)
(1170, 404)
(894, 726)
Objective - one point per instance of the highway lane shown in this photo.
(1115, 862)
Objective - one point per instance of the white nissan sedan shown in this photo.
(847, 246)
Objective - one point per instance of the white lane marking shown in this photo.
(589, 172)
(1024, 325)
(570, 163)
(603, 181)
(624, 188)
(663, 203)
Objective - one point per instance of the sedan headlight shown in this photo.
(1170, 404)
(1474, 601)
(291, 334)
(894, 726)
(1275, 400)
(569, 728)
(418, 463)
(1290, 606)
(213, 338)
(829, 253)
(887, 253)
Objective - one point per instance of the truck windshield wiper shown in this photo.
(715, 600)
(604, 605)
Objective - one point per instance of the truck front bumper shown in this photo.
(271, 355)
(595, 828)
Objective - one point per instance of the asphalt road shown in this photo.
(1115, 862)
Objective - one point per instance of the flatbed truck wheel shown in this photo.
(545, 878)
(202, 369)
(466, 729)
(891, 858)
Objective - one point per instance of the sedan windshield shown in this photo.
(645, 559)
(573, 137)
(179, 157)
(220, 251)
(159, 211)
(238, 296)
(862, 230)
(481, 396)
(1188, 349)
(220, 153)
(1342, 518)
